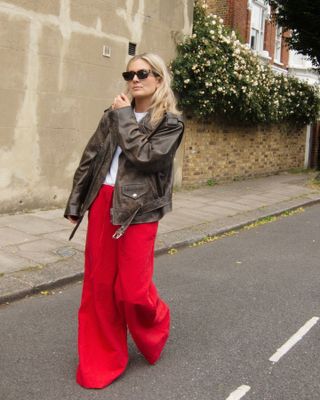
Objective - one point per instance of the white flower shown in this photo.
(186, 81)
(221, 21)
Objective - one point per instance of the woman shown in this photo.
(125, 180)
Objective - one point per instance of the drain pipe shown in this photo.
(307, 153)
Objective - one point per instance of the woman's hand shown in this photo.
(73, 219)
(120, 101)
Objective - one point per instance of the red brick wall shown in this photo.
(219, 7)
(234, 13)
(241, 19)
(237, 16)
(285, 51)
(269, 38)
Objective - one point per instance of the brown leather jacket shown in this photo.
(143, 188)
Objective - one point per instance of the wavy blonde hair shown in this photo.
(163, 99)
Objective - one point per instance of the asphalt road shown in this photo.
(234, 302)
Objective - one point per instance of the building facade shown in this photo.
(253, 21)
(61, 64)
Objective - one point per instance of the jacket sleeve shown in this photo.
(150, 152)
(76, 197)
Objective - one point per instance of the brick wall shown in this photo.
(269, 44)
(285, 50)
(241, 19)
(269, 38)
(223, 153)
(220, 8)
(237, 16)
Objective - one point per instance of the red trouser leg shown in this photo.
(147, 316)
(117, 291)
(102, 332)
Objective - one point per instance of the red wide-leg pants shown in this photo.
(117, 293)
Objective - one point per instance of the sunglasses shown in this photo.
(141, 74)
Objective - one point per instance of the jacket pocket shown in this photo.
(134, 191)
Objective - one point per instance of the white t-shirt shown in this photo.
(112, 174)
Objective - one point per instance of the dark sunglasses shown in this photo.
(141, 74)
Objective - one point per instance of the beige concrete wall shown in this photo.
(220, 153)
(55, 83)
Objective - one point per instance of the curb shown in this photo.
(21, 284)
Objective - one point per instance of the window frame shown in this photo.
(278, 44)
(258, 46)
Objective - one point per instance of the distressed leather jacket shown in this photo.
(143, 188)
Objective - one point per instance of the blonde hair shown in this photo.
(163, 99)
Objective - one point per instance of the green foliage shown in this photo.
(211, 182)
(216, 76)
(302, 18)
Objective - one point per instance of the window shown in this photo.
(258, 11)
(277, 46)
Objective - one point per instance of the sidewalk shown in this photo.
(35, 253)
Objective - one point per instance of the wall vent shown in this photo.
(106, 51)
(132, 49)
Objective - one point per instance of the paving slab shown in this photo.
(77, 242)
(41, 251)
(9, 236)
(55, 214)
(234, 205)
(29, 223)
(11, 262)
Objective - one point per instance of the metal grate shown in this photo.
(132, 49)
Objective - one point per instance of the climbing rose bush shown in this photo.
(216, 76)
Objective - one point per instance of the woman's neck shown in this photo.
(141, 105)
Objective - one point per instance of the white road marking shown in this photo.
(240, 392)
(294, 339)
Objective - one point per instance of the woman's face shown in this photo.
(142, 88)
